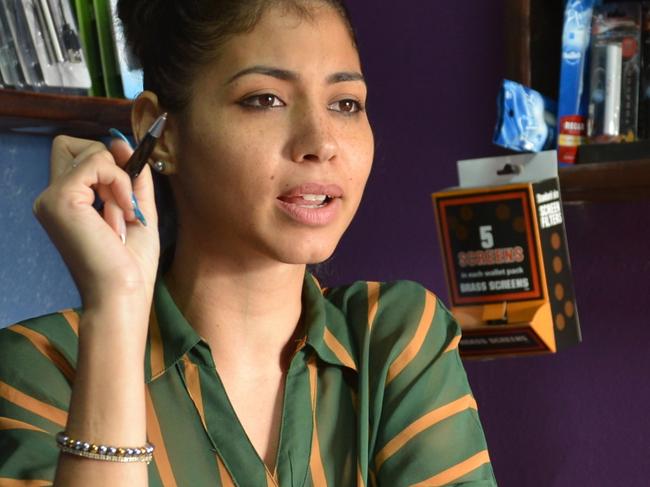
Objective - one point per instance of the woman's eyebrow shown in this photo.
(345, 76)
(287, 75)
(282, 74)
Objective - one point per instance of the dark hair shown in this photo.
(171, 40)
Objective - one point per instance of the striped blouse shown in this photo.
(375, 395)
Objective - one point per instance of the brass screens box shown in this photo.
(507, 266)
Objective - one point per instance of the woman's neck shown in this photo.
(247, 312)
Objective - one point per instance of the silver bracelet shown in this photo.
(104, 452)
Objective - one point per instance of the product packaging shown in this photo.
(573, 94)
(28, 73)
(525, 119)
(644, 89)
(615, 73)
(46, 44)
(506, 257)
(9, 64)
(54, 33)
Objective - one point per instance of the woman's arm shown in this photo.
(113, 260)
(107, 403)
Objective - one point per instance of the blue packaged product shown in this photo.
(526, 120)
(573, 96)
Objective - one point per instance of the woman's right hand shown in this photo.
(111, 256)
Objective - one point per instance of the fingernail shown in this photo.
(123, 231)
(137, 211)
(119, 135)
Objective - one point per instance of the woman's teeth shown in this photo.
(319, 199)
(314, 197)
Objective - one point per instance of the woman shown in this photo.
(253, 375)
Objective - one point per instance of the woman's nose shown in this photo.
(314, 139)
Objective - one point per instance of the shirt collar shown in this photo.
(327, 329)
(171, 336)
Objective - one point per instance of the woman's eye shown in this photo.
(346, 106)
(266, 100)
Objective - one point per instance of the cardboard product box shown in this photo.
(506, 257)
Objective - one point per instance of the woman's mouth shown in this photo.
(307, 200)
(312, 204)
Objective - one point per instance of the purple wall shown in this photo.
(575, 419)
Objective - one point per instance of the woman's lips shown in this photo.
(313, 204)
(331, 190)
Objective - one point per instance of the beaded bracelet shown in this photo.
(104, 452)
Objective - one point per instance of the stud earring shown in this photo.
(159, 166)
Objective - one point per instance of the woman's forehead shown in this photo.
(293, 42)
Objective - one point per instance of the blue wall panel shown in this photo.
(33, 278)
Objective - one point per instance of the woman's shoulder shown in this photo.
(394, 315)
(401, 301)
(42, 341)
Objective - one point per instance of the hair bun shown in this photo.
(140, 19)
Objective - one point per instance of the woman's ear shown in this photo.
(146, 109)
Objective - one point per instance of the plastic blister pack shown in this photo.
(615, 73)
(29, 71)
(10, 69)
(526, 120)
(46, 45)
(573, 96)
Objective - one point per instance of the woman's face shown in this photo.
(276, 146)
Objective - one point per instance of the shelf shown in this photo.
(532, 44)
(606, 181)
(81, 116)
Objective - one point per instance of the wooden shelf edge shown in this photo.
(606, 181)
(44, 113)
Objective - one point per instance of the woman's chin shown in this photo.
(313, 254)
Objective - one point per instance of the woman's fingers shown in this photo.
(79, 166)
(73, 194)
(142, 185)
(69, 152)
(86, 164)
(91, 243)
(114, 217)
(121, 151)
(113, 214)
(99, 171)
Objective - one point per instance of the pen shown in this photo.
(144, 149)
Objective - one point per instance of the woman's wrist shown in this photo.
(132, 298)
(117, 312)
(107, 404)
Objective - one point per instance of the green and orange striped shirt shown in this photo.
(375, 395)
